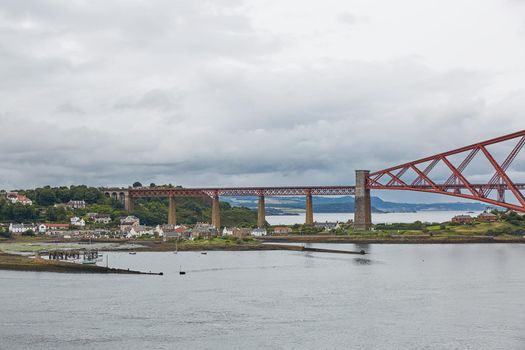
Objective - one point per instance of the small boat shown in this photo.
(204, 253)
(89, 262)
(180, 271)
(133, 253)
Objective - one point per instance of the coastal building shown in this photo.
(242, 232)
(282, 230)
(75, 204)
(91, 216)
(259, 232)
(462, 219)
(54, 229)
(487, 217)
(102, 218)
(167, 231)
(173, 231)
(98, 233)
(76, 221)
(127, 222)
(183, 231)
(42, 228)
(15, 197)
(227, 231)
(21, 228)
(327, 226)
(139, 231)
(236, 232)
(203, 230)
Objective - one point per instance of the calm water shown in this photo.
(388, 218)
(397, 297)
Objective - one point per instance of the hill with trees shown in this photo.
(49, 206)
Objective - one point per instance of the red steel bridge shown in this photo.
(421, 175)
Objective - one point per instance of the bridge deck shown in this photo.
(279, 191)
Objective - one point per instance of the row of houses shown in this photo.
(244, 232)
(38, 228)
(130, 227)
(467, 219)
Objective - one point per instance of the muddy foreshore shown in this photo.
(25, 263)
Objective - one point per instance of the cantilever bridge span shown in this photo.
(420, 175)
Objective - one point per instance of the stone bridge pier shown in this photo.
(122, 195)
(363, 208)
(172, 211)
(216, 211)
(261, 213)
(309, 220)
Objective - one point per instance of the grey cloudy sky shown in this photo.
(250, 92)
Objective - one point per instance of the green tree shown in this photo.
(45, 196)
(28, 233)
(137, 184)
(63, 194)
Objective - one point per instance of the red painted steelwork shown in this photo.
(392, 178)
(241, 191)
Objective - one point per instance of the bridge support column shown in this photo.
(363, 208)
(309, 210)
(172, 211)
(216, 212)
(129, 204)
(501, 195)
(261, 213)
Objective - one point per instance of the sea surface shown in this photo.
(377, 218)
(465, 296)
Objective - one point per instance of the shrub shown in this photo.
(30, 233)
(5, 233)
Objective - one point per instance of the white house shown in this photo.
(327, 226)
(76, 204)
(21, 228)
(236, 232)
(259, 232)
(227, 231)
(102, 218)
(76, 221)
(42, 228)
(138, 231)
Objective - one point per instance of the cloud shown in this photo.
(236, 93)
(347, 18)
